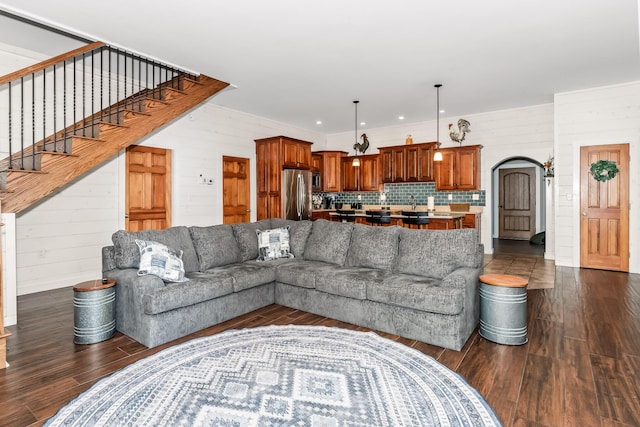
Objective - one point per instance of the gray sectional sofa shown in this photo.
(419, 284)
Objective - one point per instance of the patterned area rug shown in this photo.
(282, 376)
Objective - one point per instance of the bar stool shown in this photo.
(419, 219)
(378, 218)
(346, 215)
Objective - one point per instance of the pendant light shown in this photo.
(356, 160)
(437, 157)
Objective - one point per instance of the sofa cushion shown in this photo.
(436, 253)
(373, 247)
(417, 292)
(247, 274)
(302, 273)
(245, 234)
(348, 282)
(273, 244)
(200, 287)
(160, 260)
(328, 242)
(215, 246)
(298, 233)
(127, 254)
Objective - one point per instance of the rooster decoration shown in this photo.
(463, 129)
(362, 146)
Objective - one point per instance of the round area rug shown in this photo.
(282, 376)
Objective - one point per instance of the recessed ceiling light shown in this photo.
(362, 123)
(400, 117)
(319, 122)
(442, 111)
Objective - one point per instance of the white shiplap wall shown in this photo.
(59, 240)
(598, 116)
(523, 132)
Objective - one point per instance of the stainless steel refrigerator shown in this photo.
(296, 194)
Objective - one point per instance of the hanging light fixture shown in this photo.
(437, 157)
(356, 160)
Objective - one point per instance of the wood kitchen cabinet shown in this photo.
(330, 168)
(459, 169)
(272, 155)
(365, 177)
(295, 153)
(407, 163)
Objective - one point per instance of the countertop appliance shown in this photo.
(296, 194)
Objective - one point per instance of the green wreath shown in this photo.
(604, 170)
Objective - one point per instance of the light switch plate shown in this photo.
(450, 196)
(475, 196)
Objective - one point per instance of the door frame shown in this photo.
(542, 190)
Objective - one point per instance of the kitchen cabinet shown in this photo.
(272, 155)
(444, 223)
(316, 162)
(365, 177)
(315, 215)
(407, 163)
(472, 220)
(459, 169)
(330, 168)
(295, 153)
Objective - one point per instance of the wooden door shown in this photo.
(604, 208)
(236, 190)
(517, 203)
(331, 167)
(148, 188)
(398, 164)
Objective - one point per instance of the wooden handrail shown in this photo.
(49, 62)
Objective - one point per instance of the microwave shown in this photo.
(316, 181)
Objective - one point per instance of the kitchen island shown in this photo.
(437, 220)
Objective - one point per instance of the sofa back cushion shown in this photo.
(436, 253)
(127, 254)
(328, 242)
(245, 233)
(299, 232)
(216, 246)
(373, 247)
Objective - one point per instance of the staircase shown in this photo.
(69, 114)
(142, 104)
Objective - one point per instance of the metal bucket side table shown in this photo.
(503, 308)
(94, 311)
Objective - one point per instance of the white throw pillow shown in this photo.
(160, 260)
(273, 244)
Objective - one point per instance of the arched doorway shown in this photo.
(519, 202)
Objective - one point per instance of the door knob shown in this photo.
(584, 213)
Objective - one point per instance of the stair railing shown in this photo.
(70, 94)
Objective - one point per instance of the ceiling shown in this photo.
(302, 61)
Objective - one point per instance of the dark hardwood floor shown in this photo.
(581, 366)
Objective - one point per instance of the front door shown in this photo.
(148, 188)
(604, 209)
(517, 207)
(236, 190)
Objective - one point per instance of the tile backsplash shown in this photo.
(398, 194)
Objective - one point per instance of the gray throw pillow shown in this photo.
(298, 233)
(245, 233)
(215, 245)
(127, 254)
(328, 242)
(436, 253)
(373, 247)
